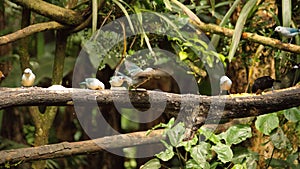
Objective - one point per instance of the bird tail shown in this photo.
(82, 83)
(278, 81)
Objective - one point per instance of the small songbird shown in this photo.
(117, 81)
(263, 83)
(288, 32)
(93, 84)
(225, 84)
(296, 66)
(28, 78)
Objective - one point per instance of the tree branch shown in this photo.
(68, 149)
(22, 33)
(192, 107)
(59, 14)
(236, 106)
(275, 43)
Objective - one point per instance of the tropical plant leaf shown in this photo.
(239, 27)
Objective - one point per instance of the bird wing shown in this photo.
(132, 68)
(293, 30)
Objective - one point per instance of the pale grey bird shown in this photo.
(117, 81)
(28, 78)
(287, 32)
(93, 84)
(225, 84)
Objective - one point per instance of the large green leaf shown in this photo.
(267, 123)
(167, 154)
(215, 38)
(201, 153)
(244, 156)
(292, 114)
(280, 140)
(151, 164)
(223, 151)
(209, 135)
(191, 164)
(236, 134)
(176, 134)
(239, 27)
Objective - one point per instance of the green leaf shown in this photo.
(188, 144)
(168, 5)
(209, 135)
(191, 164)
(267, 123)
(223, 151)
(212, 3)
(277, 163)
(243, 155)
(183, 55)
(280, 140)
(176, 134)
(200, 153)
(162, 125)
(151, 164)
(239, 166)
(125, 13)
(239, 27)
(215, 38)
(167, 154)
(292, 114)
(236, 134)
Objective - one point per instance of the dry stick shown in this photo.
(83, 147)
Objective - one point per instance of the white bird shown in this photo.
(286, 31)
(225, 84)
(28, 78)
(117, 81)
(296, 66)
(93, 84)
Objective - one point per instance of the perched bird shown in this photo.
(117, 81)
(1, 76)
(296, 66)
(28, 78)
(93, 84)
(288, 32)
(263, 83)
(225, 84)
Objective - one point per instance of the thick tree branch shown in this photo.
(22, 33)
(68, 149)
(59, 14)
(192, 107)
(236, 106)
